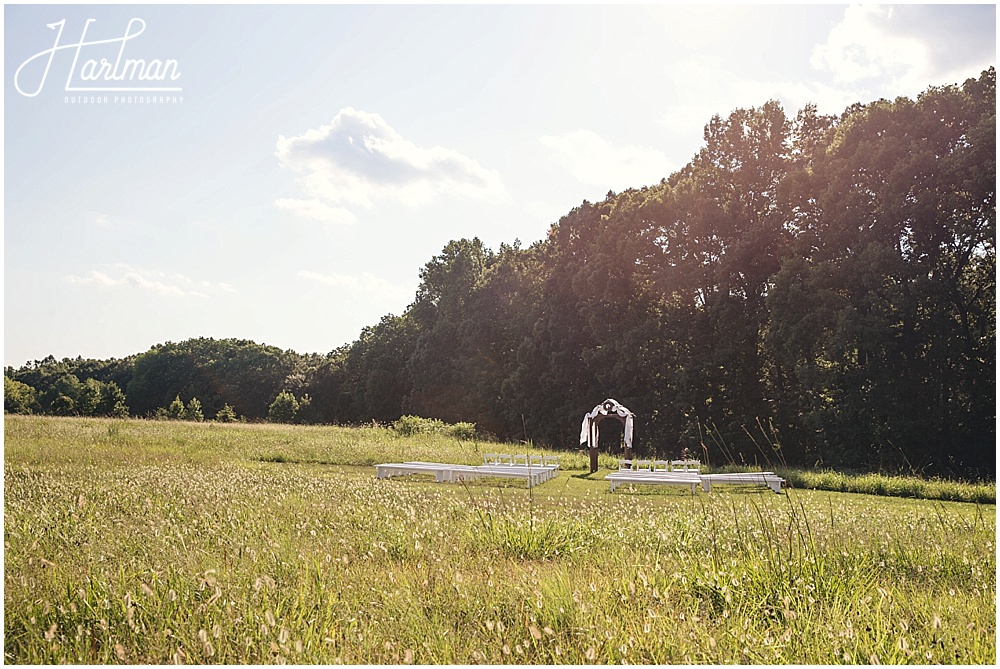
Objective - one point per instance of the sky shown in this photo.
(287, 170)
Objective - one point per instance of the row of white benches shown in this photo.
(660, 465)
(537, 469)
(521, 460)
(690, 475)
(533, 469)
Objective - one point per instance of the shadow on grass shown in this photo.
(591, 476)
(285, 460)
(652, 491)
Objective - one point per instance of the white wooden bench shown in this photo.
(455, 473)
(685, 472)
(685, 465)
(769, 479)
(533, 475)
(621, 478)
(442, 473)
(549, 464)
(500, 466)
(641, 465)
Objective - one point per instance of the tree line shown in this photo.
(819, 285)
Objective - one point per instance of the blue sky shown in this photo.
(317, 156)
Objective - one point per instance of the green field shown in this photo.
(155, 542)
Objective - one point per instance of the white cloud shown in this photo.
(593, 160)
(714, 89)
(358, 158)
(862, 47)
(795, 95)
(316, 210)
(544, 212)
(107, 222)
(873, 51)
(366, 283)
(159, 283)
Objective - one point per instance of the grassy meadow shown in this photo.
(153, 542)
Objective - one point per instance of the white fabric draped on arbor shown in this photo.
(607, 409)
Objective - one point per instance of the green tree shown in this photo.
(332, 398)
(119, 410)
(18, 397)
(283, 408)
(226, 414)
(373, 376)
(447, 286)
(62, 396)
(89, 398)
(305, 413)
(63, 405)
(241, 373)
(113, 402)
(887, 327)
(193, 411)
(176, 409)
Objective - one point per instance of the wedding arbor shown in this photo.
(590, 430)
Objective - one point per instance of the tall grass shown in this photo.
(770, 456)
(133, 542)
(893, 486)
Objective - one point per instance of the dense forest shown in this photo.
(822, 283)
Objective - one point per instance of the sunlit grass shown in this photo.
(144, 542)
(894, 486)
